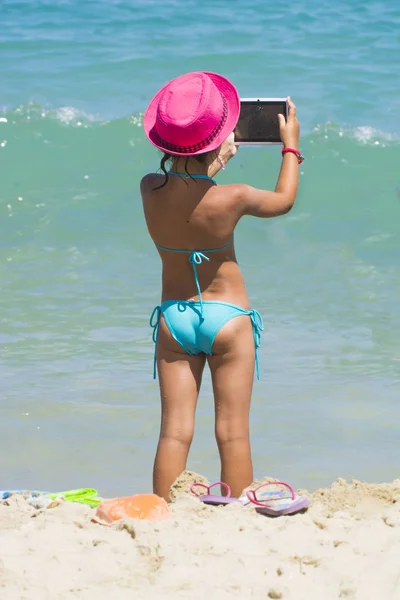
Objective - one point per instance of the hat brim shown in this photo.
(227, 90)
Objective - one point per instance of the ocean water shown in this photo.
(79, 275)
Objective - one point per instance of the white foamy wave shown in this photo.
(364, 134)
(71, 116)
(67, 115)
(368, 134)
(136, 119)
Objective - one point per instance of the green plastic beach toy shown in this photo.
(87, 496)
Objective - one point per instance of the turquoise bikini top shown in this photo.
(196, 256)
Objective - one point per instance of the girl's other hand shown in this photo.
(290, 129)
(226, 151)
(228, 148)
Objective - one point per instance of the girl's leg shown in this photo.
(180, 379)
(232, 370)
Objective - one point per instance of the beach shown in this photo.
(344, 546)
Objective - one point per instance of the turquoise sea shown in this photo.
(79, 275)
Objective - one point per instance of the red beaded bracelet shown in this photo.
(300, 157)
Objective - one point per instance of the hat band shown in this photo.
(196, 147)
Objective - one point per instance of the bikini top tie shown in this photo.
(196, 257)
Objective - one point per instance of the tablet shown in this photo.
(258, 121)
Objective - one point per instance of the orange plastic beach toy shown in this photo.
(148, 507)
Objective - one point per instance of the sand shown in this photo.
(347, 545)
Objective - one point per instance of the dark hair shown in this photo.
(167, 157)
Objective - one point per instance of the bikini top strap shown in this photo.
(195, 176)
(194, 251)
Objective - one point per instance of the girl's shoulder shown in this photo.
(147, 182)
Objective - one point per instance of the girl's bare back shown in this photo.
(195, 215)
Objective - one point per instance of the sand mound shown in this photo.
(352, 496)
(181, 486)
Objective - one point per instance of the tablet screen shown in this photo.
(258, 121)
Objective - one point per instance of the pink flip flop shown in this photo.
(209, 498)
(275, 504)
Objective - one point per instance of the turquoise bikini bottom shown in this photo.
(194, 325)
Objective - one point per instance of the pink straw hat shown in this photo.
(192, 114)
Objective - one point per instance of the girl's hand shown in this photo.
(290, 129)
(228, 148)
(226, 152)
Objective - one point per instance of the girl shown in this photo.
(205, 314)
